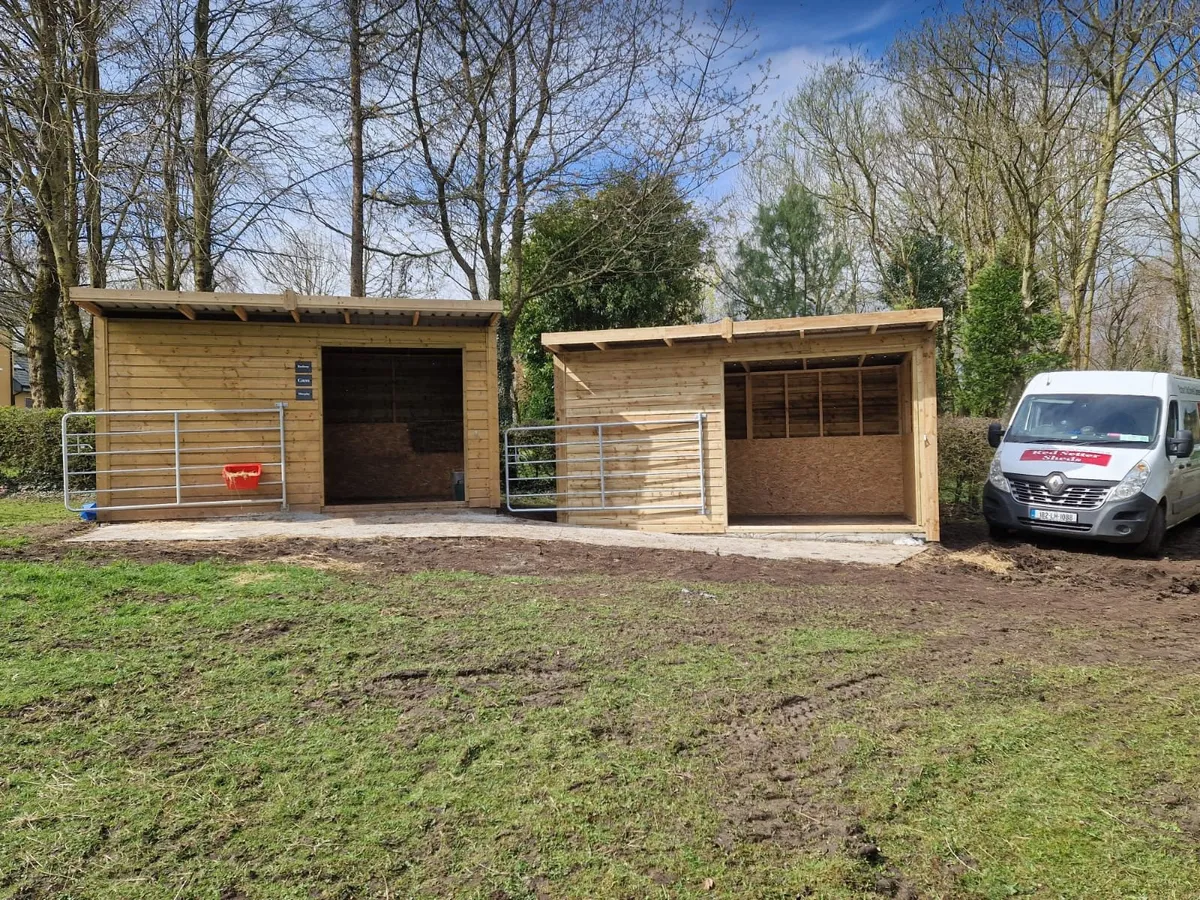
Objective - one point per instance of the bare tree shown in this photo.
(512, 103)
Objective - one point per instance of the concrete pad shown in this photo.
(472, 524)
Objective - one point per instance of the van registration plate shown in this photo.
(1053, 515)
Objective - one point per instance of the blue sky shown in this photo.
(797, 36)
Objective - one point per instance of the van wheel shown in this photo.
(1151, 544)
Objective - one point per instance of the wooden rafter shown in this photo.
(494, 320)
(416, 318)
(240, 312)
(186, 310)
(91, 308)
(346, 316)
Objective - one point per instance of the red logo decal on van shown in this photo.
(1069, 456)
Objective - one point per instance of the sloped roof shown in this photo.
(730, 331)
(222, 306)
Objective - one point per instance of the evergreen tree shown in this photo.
(924, 271)
(1004, 344)
(791, 265)
(643, 273)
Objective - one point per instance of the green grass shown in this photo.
(21, 512)
(213, 730)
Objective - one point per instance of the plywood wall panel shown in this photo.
(816, 476)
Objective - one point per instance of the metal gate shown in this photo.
(626, 465)
(163, 459)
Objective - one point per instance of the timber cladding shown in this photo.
(845, 423)
(166, 364)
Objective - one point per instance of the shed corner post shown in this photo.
(929, 440)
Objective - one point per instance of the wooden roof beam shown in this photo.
(186, 310)
(90, 307)
(600, 345)
(862, 359)
(240, 312)
(346, 316)
(727, 329)
(670, 342)
(874, 328)
(745, 365)
(416, 317)
(494, 320)
(292, 304)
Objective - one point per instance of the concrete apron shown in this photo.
(886, 550)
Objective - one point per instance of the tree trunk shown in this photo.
(39, 328)
(172, 142)
(506, 372)
(358, 281)
(1070, 343)
(1179, 271)
(90, 76)
(203, 188)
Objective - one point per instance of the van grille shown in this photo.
(1074, 496)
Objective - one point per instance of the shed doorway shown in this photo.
(392, 426)
(820, 443)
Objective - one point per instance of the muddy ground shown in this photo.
(990, 591)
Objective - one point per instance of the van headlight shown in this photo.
(1131, 485)
(996, 476)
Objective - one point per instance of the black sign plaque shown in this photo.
(304, 393)
(303, 367)
(303, 381)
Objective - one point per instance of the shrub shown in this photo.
(963, 460)
(31, 448)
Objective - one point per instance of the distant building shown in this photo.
(14, 375)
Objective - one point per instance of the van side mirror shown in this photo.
(995, 433)
(1181, 445)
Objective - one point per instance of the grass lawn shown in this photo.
(22, 514)
(227, 730)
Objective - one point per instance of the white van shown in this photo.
(1110, 456)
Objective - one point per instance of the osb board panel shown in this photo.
(161, 364)
(377, 460)
(600, 388)
(816, 476)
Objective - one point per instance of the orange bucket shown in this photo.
(242, 476)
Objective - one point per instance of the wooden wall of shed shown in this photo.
(670, 381)
(638, 386)
(155, 364)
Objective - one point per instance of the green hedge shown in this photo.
(31, 448)
(963, 460)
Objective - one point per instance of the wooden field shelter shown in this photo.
(342, 403)
(818, 424)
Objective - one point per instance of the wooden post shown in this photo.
(925, 377)
(749, 408)
(860, 403)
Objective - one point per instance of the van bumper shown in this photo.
(1125, 522)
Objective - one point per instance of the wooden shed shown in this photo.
(341, 403)
(825, 423)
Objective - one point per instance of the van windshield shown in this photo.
(1086, 419)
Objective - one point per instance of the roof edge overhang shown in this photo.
(266, 308)
(729, 331)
